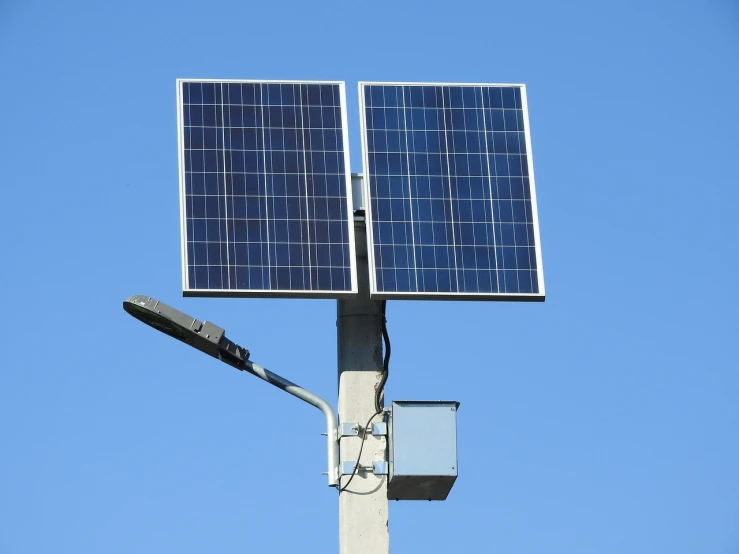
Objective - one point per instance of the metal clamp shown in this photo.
(347, 468)
(379, 429)
(378, 468)
(349, 430)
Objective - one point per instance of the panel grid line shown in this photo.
(490, 186)
(225, 188)
(451, 205)
(266, 192)
(410, 191)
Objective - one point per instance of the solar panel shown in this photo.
(451, 205)
(265, 189)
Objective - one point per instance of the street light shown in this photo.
(211, 339)
(204, 336)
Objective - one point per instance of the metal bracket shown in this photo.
(379, 468)
(379, 429)
(349, 429)
(347, 468)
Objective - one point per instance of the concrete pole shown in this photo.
(363, 506)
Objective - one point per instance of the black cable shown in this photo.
(385, 363)
(378, 392)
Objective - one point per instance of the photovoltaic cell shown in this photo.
(265, 189)
(450, 192)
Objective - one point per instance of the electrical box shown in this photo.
(422, 439)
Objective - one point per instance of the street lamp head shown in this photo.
(204, 336)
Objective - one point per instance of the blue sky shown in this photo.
(604, 420)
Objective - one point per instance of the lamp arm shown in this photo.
(312, 399)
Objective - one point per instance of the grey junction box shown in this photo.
(422, 440)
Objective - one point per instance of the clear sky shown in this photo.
(602, 421)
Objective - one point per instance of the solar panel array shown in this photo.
(450, 192)
(265, 189)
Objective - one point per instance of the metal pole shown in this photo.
(314, 400)
(363, 506)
